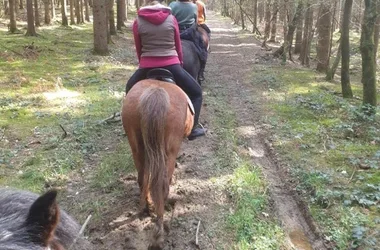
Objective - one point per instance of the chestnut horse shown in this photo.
(156, 117)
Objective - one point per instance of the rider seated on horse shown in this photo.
(202, 16)
(158, 45)
(186, 13)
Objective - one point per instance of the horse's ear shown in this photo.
(43, 218)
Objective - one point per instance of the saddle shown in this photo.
(165, 75)
(161, 75)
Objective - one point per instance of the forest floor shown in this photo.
(282, 165)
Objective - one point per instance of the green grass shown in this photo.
(118, 163)
(59, 87)
(248, 221)
(332, 149)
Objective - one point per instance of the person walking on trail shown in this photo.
(186, 13)
(202, 16)
(158, 45)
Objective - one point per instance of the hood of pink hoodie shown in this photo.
(154, 15)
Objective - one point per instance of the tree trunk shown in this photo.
(87, 10)
(31, 31)
(284, 15)
(307, 37)
(273, 30)
(286, 47)
(377, 33)
(72, 15)
(241, 15)
(323, 46)
(64, 13)
(254, 16)
(12, 16)
(53, 9)
(332, 28)
(16, 4)
(111, 17)
(36, 14)
(267, 19)
(21, 4)
(77, 10)
(298, 44)
(121, 9)
(359, 19)
(224, 8)
(47, 11)
(261, 11)
(331, 72)
(345, 44)
(367, 50)
(6, 7)
(100, 27)
(340, 14)
(81, 11)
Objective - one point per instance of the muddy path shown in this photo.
(201, 202)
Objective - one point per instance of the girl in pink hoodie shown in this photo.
(158, 45)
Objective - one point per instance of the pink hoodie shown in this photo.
(156, 14)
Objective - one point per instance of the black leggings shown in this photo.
(183, 79)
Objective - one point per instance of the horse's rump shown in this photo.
(132, 107)
(205, 37)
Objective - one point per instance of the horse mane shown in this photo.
(153, 106)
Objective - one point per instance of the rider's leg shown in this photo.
(139, 75)
(203, 57)
(188, 84)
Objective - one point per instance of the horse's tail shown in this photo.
(154, 106)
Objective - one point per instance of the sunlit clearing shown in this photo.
(271, 95)
(61, 94)
(247, 130)
(118, 94)
(222, 35)
(250, 131)
(224, 30)
(237, 45)
(223, 52)
(130, 67)
(300, 90)
(50, 27)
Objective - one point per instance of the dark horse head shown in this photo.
(32, 222)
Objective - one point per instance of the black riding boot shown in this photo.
(197, 130)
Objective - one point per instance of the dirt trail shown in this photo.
(199, 197)
(241, 54)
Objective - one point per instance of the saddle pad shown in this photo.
(190, 104)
